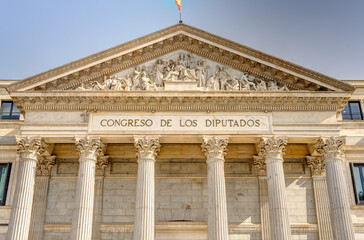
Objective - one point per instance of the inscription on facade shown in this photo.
(123, 124)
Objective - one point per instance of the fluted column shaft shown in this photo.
(332, 151)
(322, 203)
(28, 150)
(147, 149)
(89, 149)
(272, 150)
(215, 150)
(44, 165)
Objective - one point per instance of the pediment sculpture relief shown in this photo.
(185, 69)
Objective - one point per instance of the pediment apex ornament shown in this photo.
(183, 68)
(89, 147)
(29, 147)
(331, 148)
(214, 148)
(316, 165)
(147, 147)
(272, 148)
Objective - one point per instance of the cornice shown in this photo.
(180, 101)
(134, 52)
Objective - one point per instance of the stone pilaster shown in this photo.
(29, 150)
(331, 149)
(322, 203)
(101, 164)
(214, 149)
(272, 150)
(89, 150)
(259, 163)
(147, 149)
(43, 173)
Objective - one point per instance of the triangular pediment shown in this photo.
(212, 52)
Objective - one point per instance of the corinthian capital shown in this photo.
(89, 147)
(272, 147)
(147, 147)
(29, 147)
(214, 147)
(317, 165)
(261, 166)
(331, 148)
(101, 164)
(45, 164)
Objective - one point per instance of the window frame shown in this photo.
(350, 112)
(357, 201)
(10, 116)
(6, 183)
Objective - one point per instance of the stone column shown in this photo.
(89, 150)
(214, 149)
(259, 163)
(44, 167)
(332, 151)
(29, 149)
(322, 203)
(101, 164)
(272, 150)
(147, 149)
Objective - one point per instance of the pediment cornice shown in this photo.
(221, 101)
(187, 38)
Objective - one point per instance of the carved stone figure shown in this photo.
(222, 76)
(136, 78)
(128, 82)
(261, 86)
(159, 74)
(212, 84)
(233, 85)
(201, 74)
(246, 83)
(147, 84)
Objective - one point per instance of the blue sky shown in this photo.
(323, 35)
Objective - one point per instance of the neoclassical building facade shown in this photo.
(181, 134)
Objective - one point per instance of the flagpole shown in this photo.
(180, 15)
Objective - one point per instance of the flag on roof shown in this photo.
(178, 2)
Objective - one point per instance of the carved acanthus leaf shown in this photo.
(29, 147)
(331, 148)
(317, 165)
(101, 164)
(214, 148)
(260, 164)
(272, 147)
(147, 147)
(45, 164)
(89, 147)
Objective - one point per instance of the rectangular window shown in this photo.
(9, 111)
(358, 179)
(352, 111)
(4, 181)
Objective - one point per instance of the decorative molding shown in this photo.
(317, 165)
(89, 147)
(272, 148)
(147, 147)
(180, 101)
(214, 147)
(260, 164)
(180, 35)
(331, 148)
(45, 164)
(29, 147)
(101, 164)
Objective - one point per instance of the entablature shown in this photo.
(181, 101)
